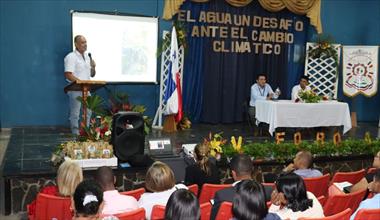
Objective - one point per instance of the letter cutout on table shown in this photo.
(320, 137)
(297, 138)
(337, 138)
(280, 137)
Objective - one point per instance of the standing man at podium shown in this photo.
(78, 66)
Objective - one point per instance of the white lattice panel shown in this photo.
(323, 75)
(165, 59)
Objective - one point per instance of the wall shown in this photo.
(36, 35)
(354, 22)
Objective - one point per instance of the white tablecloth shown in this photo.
(286, 113)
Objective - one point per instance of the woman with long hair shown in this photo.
(249, 202)
(204, 170)
(291, 200)
(182, 204)
(69, 175)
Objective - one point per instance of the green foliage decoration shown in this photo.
(287, 150)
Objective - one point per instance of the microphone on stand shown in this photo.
(89, 55)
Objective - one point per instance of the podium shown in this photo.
(85, 86)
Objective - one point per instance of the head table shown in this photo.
(289, 114)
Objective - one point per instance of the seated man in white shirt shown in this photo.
(374, 202)
(259, 91)
(303, 86)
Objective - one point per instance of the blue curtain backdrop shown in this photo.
(215, 85)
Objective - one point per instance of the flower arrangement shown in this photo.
(215, 143)
(309, 96)
(93, 141)
(99, 129)
(237, 145)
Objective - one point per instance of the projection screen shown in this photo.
(123, 47)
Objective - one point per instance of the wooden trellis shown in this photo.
(323, 75)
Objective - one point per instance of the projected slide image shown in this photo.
(134, 56)
(124, 47)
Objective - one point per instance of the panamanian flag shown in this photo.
(173, 93)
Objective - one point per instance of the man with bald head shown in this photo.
(114, 202)
(302, 165)
(78, 66)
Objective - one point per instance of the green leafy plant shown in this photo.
(309, 96)
(95, 103)
(287, 150)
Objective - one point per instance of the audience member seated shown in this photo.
(291, 200)
(88, 201)
(363, 183)
(160, 183)
(374, 202)
(114, 202)
(204, 171)
(249, 202)
(182, 204)
(69, 175)
(241, 169)
(302, 165)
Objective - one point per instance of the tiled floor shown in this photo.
(30, 148)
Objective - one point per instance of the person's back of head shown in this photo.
(304, 160)
(201, 153)
(159, 177)
(249, 201)
(88, 199)
(104, 176)
(182, 204)
(69, 175)
(242, 166)
(294, 190)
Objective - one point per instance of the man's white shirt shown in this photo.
(79, 66)
(296, 89)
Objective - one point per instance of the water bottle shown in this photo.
(330, 96)
(276, 94)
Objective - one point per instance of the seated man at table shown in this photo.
(302, 164)
(303, 86)
(259, 91)
(374, 202)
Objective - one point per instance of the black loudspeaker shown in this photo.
(128, 137)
